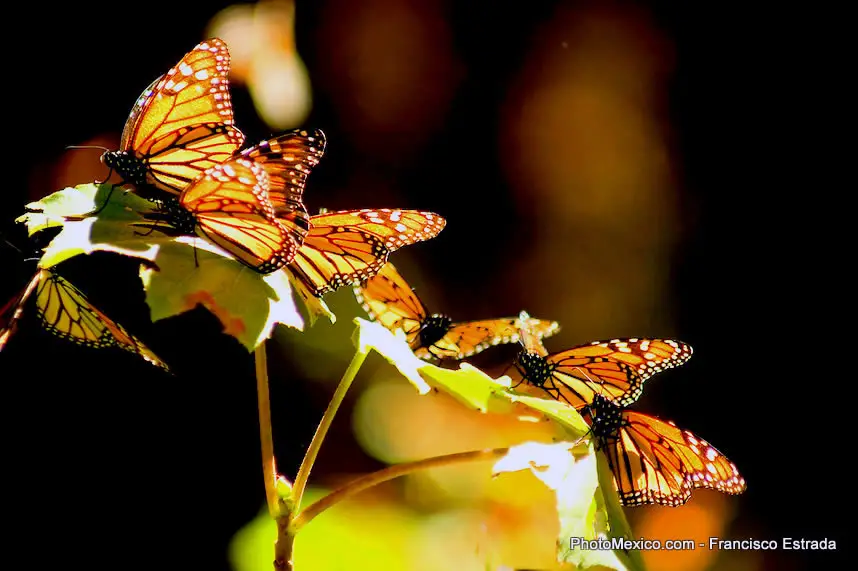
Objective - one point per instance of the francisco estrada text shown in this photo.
(796, 543)
(749, 544)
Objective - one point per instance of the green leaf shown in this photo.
(568, 469)
(110, 230)
(247, 303)
(316, 306)
(371, 335)
(182, 272)
(560, 412)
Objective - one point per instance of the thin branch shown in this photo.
(285, 534)
(328, 418)
(375, 478)
(269, 468)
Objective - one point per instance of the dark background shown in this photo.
(110, 464)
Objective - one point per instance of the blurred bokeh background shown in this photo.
(627, 170)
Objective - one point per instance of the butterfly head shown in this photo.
(129, 167)
(182, 220)
(433, 329)
(604, 417)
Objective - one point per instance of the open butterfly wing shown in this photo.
(181, 125)
(615, 369)
(388, 299)
(471, 337)
(65, 312)
(349, 247)
(193, 92)
(654, 462)
(288, 160)
(231, 207)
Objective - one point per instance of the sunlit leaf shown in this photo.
(568, 469)
(559, 412)
(371, 335)
(182, 272)
(316, 306)
(246, 303)
(109, 231)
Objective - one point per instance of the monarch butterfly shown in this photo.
(65, 312)
(615, 369)
(350, 246)
(181, 125)
(388, 299)
(229, 205)
(653, 461)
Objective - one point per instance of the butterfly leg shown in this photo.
(97, 210)
(106, 200)
(151, 229)
(511, 366)
(159, 215)
(109, 174)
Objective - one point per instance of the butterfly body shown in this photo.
(131, 168)
(432, 329)
(605, 419)
(653, 461)
(535, 368)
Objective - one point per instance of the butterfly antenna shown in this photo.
(105, 149)
(13, 246)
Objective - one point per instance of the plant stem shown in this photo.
(269, 469)
(322, 430)
(285, 534)
(375, 478)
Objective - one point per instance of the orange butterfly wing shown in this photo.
(288, 159)
(654, 462)
(348, 247)
(181, 125)
(230, 206)
(616, 369)
(468, 338)
(66, 312)
(388, 299)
